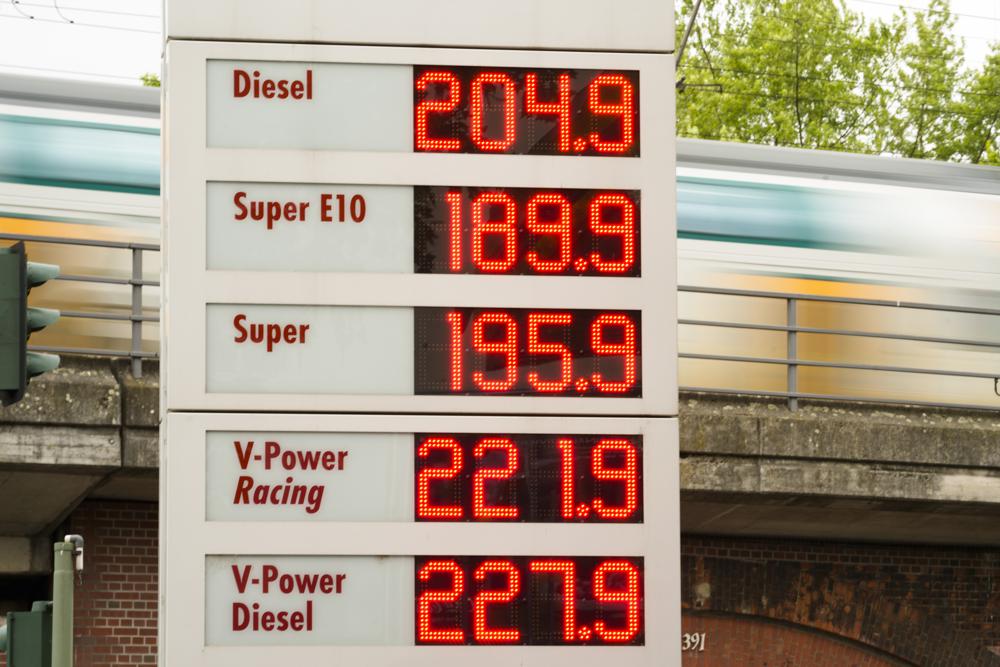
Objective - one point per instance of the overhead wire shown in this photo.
(88, 10)
(28, 17)
(814, 19)
(926, 9)
(763, 76)
(845, 102)
(55, 3)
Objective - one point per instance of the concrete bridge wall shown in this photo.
(863, 534)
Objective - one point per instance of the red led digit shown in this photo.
(454, 320)
(425, 632)
(560, 108)
(480, 510)
(624, 229)
(535, 347)
(628, 475)
(567, 570)
(426, 107)
(425, 509)
(630, 596)
(507, 347)
(567, 476)
(506, 227)
(477, 109)
(561, 228)
(480, 627)
(625, 349)
(624, 109)
(454, 201)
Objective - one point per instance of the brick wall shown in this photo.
(932, 606)
(115, 619)
(779, 603)
(729, 641)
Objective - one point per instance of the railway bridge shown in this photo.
(865, 531)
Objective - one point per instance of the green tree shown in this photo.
(922, 118)
(806, 73)
(978, 119)
(150, 79)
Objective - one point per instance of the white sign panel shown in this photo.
(308, 601)
(313, 228)
(281, 105)
(244, 585)
(627, 25)
(419, 230)
(295, 476)
(309, 350)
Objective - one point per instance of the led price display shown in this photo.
(527, 352)
(526, 231)
(526, 111)
(529, 601)
(538, 478)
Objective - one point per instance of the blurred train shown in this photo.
(85, 164)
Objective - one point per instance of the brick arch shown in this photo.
(869, 596)
(733, 640)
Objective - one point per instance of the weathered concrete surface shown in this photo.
(24, 555)
(748, 426)
(82, 391)
(76, 430)
(749, 466)
(140, 416)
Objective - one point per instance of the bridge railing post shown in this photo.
(792, 337)
(136, 346)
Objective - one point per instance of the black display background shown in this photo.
(538, 611)
(535, 134)
(431, 232)
(536, 486)
(432, 353)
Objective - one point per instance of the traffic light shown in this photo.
(18, 321)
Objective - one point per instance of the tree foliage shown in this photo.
(815, 74)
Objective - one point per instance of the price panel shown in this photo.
(527, 352)
(529, 477)
(526, 112)
(532, 601)
(420, 230)
(526, 231)
(445, 476)
(534, 536)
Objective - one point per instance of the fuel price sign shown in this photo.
(416, 230)
(361, 537)
(400, 285)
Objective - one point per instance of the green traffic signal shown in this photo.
(37, 363)
(37, 274)
(17, 322)
(39, 318)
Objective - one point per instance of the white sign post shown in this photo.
(419, 334)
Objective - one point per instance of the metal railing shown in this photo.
(792, 361)
(135, 282)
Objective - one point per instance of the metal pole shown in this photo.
(62, 605)
(793, 355)
(136, 312)
(687, 34)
